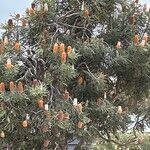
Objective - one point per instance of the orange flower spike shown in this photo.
(145, 37)
(66, 116)
(80, 124)
(86, 13)
(2, 87)
(30, 11)
(62, 47)
(143, 43)
(20, 87)
(55, 48)
(25, 123)
(45, 129)
(40, 103)
(69, 49)
(136, 39)
(46, 143)
(118, 46)
(63, 57)
(17, 45)
(12, 86)
(8, 65)
(80, 80)
(79, 107)
(60, 115)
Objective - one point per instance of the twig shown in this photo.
(57, 146)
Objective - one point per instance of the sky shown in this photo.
(146, 1)
(8, 7)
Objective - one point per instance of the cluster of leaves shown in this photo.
(99, 75)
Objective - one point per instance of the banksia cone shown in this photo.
(75, 102)
(46, 107)
(23, 22)
(30, 11)
(20, 87)
(143, 43)
(69, 49)
(79, 107)
(35, 82)
(80, 124)
(62, 47)
(86, 13)
(99, 102)
(136, 39)
(10, 23)
(17, 45)
(118, 46)
(66, 95)
(55, 48)
(2, 87)
(63, 57)
(27, 116)
(45, 7)
(8, 65)
(125, 110)
(145, 37)
(145, 7)
(47, 114)
(5, 40)
(33, 6)
(80, 80)
(140, 140)
(17, 16)
(132, 20)
(25, 123)
(46, 143)
(12, 86)
(40, 103)
(1, 47)
(66, 116)
(119, 110)
(45, 129)
(60, 115)
(2, 134)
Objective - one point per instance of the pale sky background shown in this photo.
(8, 7)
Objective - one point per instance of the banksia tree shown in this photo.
(74, 70)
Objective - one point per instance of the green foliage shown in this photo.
(111, 83)
(37, 92)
